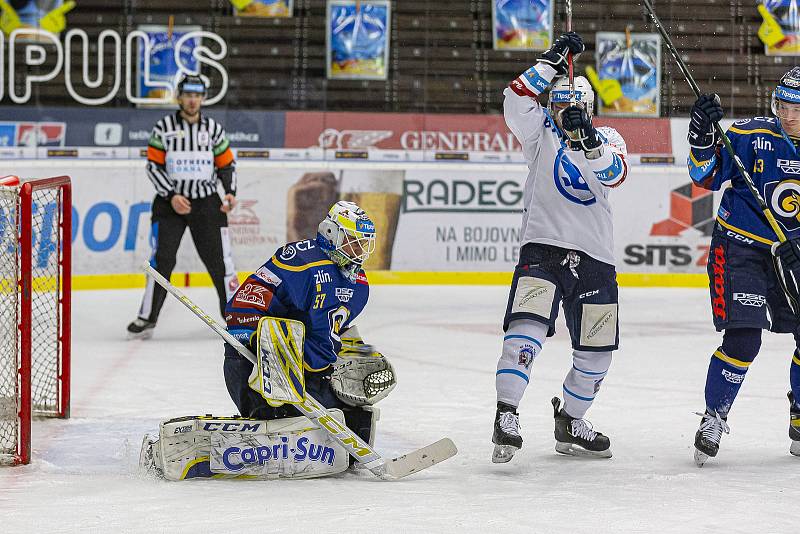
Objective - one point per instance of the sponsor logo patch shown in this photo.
(733, 378)
(322, 277)
(236, 458)
(789, 166)
(203, 138)
(598, 325)
(526, 355)
(534, 295)
(344, 294)
(288, 252)
(718, 296)
(750, 299)
(253, 295)
(268, 276)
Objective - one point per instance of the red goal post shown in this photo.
(35, 287)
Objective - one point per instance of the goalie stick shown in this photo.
(383, 468)
(748, 180)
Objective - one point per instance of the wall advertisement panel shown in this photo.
(429, 217)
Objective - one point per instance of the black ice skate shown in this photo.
(140, 329)
(794, 425)
(506, 437)
(708, 436)
(576, 437)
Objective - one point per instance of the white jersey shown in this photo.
(566, 195)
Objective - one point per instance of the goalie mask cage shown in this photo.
(35, 239)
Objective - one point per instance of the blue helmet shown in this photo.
(788, 90)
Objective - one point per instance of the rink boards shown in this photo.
(438, 223)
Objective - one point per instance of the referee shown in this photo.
(186, 155)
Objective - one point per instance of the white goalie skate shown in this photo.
(148, 463)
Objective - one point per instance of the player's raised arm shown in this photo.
(705, 160)
(523, 114)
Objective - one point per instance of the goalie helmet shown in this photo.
(347, 236)
(561, 94)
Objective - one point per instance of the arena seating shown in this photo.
(441, 57)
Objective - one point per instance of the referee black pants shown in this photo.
(208, 226)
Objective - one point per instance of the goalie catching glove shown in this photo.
(361, 375)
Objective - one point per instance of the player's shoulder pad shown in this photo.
(300, 256)
(613, 138)
(755, 125)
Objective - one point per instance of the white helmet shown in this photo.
(347, 235)
(560, 94)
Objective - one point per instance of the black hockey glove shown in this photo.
(582, 135)
(705, 112)
(557, 55)
(786, 257)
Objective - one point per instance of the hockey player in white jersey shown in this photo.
(566, 251)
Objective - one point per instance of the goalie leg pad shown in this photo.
(279, 376)
(232, 447)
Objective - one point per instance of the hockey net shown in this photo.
(35, 237)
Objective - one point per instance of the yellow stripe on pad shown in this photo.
(192, 464)
(733, 361)
(795, 359)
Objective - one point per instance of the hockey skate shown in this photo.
(708, 436)
(794, 425)
(141, 329)
(576, 437)
(506, 437)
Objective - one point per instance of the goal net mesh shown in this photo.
(44, 319)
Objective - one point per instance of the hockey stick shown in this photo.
(571, 72)
(747, 178)
(792, 296)
(384, 469)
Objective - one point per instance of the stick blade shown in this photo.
(417, 460)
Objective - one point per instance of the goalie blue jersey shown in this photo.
(299, 282)
(774, 164)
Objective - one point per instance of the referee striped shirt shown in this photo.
(188, 159)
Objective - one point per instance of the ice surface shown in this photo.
(444, 344)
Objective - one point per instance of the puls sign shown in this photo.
(77, 41)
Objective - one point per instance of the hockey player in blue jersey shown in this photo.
(296, 314)
(746, 290)
(320, 283)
